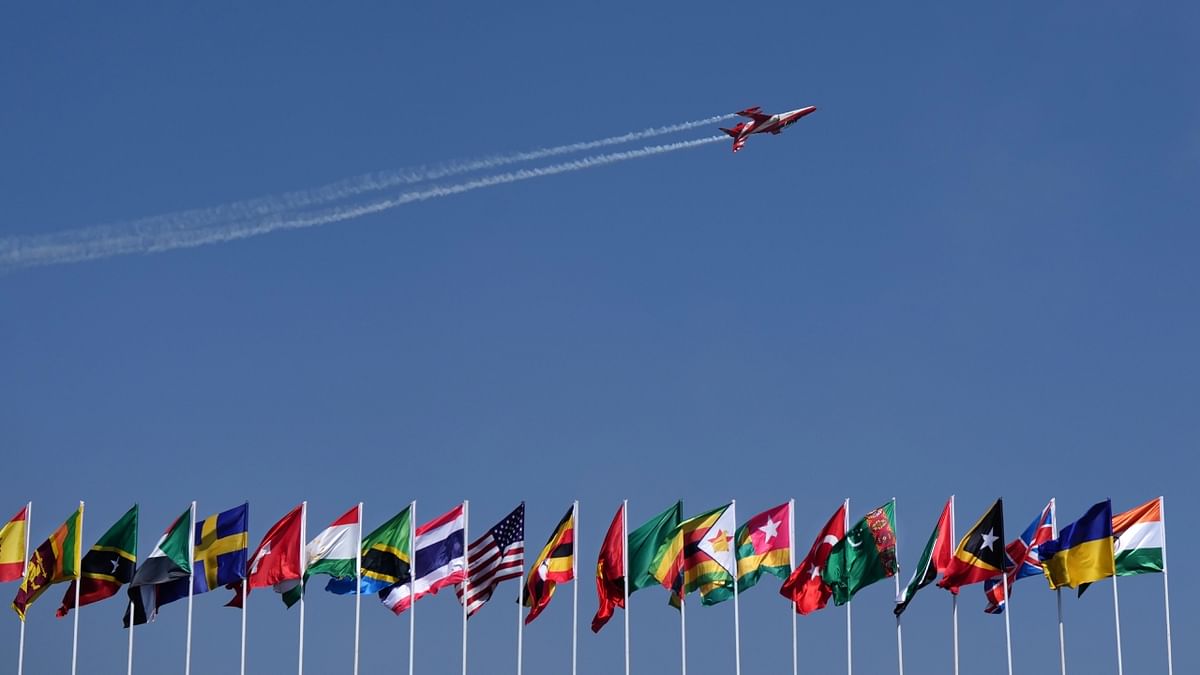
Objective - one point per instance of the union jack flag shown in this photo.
(1021, 559)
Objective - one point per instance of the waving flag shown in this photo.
(865, 555)
(1083, 551)
(764, 545)
(56, 560)
(1023, 559)
(107, 566)
(218, 555)
(276, 561)
(936, 557)
(978, 556)
(12, 547)
(554, 565)
(440, 560)
(805, 587)
(497, 556)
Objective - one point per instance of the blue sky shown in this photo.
(970, 272)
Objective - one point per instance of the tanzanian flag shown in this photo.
(57, 559)
(1083, 552)
(108, 565)
(386, 558)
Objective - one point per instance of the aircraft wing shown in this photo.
(754, 113)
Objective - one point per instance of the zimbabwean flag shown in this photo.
(699, 556)
(57, 559)
(108, 565)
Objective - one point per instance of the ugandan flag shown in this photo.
(57, 559)
(554, 565)
(108, 565)
(699, 556)
(980, 553)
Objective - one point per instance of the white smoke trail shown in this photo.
(110, 240)
(262, 207)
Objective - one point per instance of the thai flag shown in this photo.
(1021, 559)
(440, 561)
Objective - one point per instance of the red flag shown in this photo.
(805, 587)
(610, 572)
(277, 558)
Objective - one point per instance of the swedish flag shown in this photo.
(219, 557)
(1083, 552)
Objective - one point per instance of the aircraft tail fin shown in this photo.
(731, 132)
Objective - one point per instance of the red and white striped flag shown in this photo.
(496, 556)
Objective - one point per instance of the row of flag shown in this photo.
(706, 554)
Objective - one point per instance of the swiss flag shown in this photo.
(277, 558)
(804, 587)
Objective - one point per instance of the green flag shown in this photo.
(645, 541)
(865, 555)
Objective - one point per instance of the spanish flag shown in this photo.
(12, 547)
(1083, 552)
(554, 565)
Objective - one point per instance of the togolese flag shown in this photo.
(56, 560)
(764, 545)
(553, 566)
(699, 556)
(865, 555)
(108, 565)
(12, 546)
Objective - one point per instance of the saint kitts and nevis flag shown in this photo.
(640, 546)
(865, 555)
(12, 546)
(108, 565)
(699, 556)
(57, 559)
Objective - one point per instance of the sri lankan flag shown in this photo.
(107, 566)
(554, 565)
(980, 554)
(699, 556)
(57, 559)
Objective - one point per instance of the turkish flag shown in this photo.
(277, 558)
(804, 587)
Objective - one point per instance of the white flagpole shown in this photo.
(187, 664)
(1007, 612)
(129, 660)
(24, 571)
(78, 578)
(737, 624)
(357, 582)
(1162, 512)
(412, 585)
(896, 576)
(245, 601)
(521, 603)
(792, 566)
(1062, 639)
(467, 571)
(849, 644)
(683, 631)
(954, 596)
(574, 589)
(1117, 616)
(303, 568)
(625, 573)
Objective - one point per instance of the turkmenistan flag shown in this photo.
(334, 552)
(699, 556)
(764, 545)
(167, 562)
(1140, 537)
(865, 555)
(57, 559)
(386, 558)
(108, 565)
(644, 542)
(938, 553)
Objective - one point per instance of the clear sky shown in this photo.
(971, 271)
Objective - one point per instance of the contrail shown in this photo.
(138, 237)
(344, 189)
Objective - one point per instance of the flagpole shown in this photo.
(1062, 640)
(683, 631)
(1117, 616)
(303, 569)
(467, 574)
(129, 660)
(1007, 612)
(358, 583)
(412, 585)
(625, 574)
(187, 654)
(245, 601)
(849, 645)
(792, 565)
(78, 578)
(24, 572)
(896, 576)
(574, 590)
(1162, 514)
(954, 596)
(521, 601)
(737, 624)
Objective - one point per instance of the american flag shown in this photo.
(497, 556)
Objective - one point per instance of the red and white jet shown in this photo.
(761, 123)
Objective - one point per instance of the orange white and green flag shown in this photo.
(764, 545)
(12, 547)
(1139, 539)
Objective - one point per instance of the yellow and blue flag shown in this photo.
(1083, 552)
(218, 557)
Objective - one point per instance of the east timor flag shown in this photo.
(554, 565)
(1083, 552)
(980, 553)
(108, 565)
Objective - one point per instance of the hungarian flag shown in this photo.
(169, 561)
(56, 560)
(107, 566)
(386, 558)
(764, 545)
(276, 561)
(334, 552)
(865, 555)
(805, 588)
(610, 572)
(699, 556)
(12, 546)
(553, 566)
(934, 559)
(980, 553)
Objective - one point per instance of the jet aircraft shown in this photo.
(761, 123)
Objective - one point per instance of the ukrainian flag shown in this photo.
(1083, 552)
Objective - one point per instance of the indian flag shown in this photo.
(1140, 538)
(333, 552)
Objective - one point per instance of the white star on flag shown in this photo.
(989, 539)
(770, 530)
